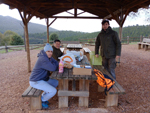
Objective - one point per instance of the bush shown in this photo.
(16, 40)
(53, 36)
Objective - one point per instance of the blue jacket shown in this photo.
(43, 66)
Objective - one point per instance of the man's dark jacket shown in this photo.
(109, 42)
(56, 53)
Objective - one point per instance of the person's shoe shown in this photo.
(44, 105)
(46, 102)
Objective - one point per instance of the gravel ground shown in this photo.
(133, 75)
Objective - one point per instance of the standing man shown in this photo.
(110, 49)
(56, 49)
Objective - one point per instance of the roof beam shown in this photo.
(131, 5)
(81, 17)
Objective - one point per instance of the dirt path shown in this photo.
(133, 75)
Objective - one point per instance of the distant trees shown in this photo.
(53, 36)
(16, 40)
(1, 39)
(10, 38)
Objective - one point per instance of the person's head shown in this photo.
(48, 49)
(105, 24)
(57, 43)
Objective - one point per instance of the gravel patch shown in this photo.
(133, 75)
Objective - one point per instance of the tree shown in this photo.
(16, 40)
(1, 39)
(7, 36)
(53, 36)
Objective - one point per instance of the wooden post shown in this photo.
(25, 20)
(127, 39)
(111, 100)
(83, 86)
(35, 103)
(26, 17)
(6, 48)
(141, 38)
(63, 100)
(27, 45)
(120, 33)
(100, 89)
(47, 23)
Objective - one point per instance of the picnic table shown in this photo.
(67, 75)
(83, 92)
(75, 47)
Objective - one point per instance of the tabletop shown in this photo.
(75, 46)
(68, 73)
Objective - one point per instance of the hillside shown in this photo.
(37, 32)
(9, 23)
(131, 31)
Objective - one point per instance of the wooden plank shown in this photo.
(116, 89)
(31, 93)
(65, 74)
(146, 47)
(100, 89)
(37, 93)
(59, 75)
(70, 74)
(63, 101)
(60, 86)
(73, 85)
(27, 91)
(83, 86)
(73, 93)
(87, 50)
(74, 46)
(54, 75)
(117, 86)
(35, 103)
(111, 100)
(93, 77)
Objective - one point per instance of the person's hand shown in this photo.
(117, 57)
(97, 55)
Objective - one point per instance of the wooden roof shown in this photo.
(109, 9)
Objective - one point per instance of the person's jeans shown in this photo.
(109, 65)
(49, 88)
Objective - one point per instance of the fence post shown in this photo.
(141, 38)
(127, 39)
(6, 48)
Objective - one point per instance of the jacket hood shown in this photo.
(107, 30)
(42, 53)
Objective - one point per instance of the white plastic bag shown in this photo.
(69, 58)
(78, 54)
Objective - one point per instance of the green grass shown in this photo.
(132, 43)
(40, 48)
(3, 51)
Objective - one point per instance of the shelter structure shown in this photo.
(45, 9)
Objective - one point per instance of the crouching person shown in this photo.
(39, 77)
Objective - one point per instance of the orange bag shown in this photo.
(104, 80)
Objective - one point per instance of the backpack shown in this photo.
(104, 80)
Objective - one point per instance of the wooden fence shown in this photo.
(20, 47)
(125, 40)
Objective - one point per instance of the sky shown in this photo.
(82, 25)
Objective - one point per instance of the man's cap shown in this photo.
(48, 47)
